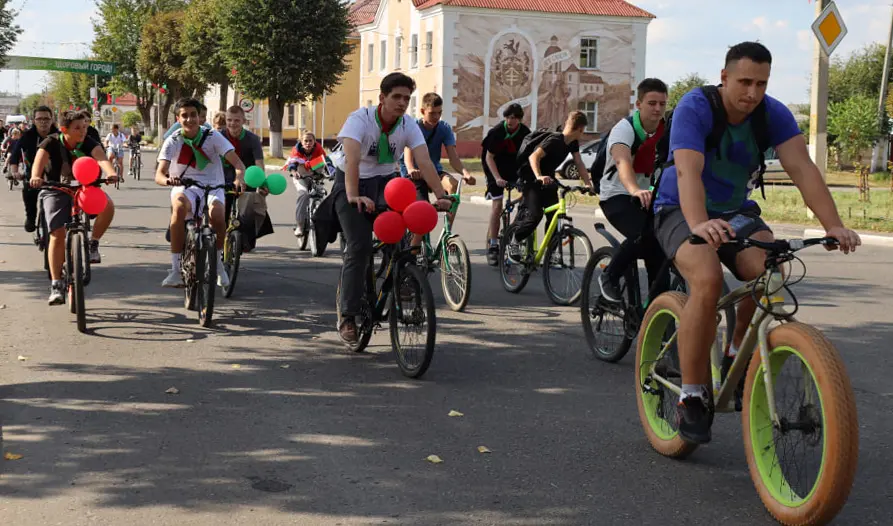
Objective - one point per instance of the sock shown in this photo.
(175, 262)
(689, 390)
(494, 242)
(57, 283)
(732, 352)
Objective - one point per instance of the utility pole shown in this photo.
(879, 153)
(818, 114)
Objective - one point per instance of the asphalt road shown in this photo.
(276, 424)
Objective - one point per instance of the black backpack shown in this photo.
(597, 170)
(530, 143)
(759, 123)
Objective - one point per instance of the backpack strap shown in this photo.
(720, 119)
(637, 141)
(759, 125)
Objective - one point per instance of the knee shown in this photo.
(109, 207)
(705, 283)
(217, 213)
(179, 210)
(359, 247)
(58, 234)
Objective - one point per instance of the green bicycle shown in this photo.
(450, 257)
(561, 244)
(792, 360)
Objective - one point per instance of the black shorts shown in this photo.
(494, 191)
(421, 187)
(671, 231)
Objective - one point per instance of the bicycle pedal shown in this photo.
(647, 389)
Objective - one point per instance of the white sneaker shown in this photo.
(299, 232)
(222, 278)
(173, 280)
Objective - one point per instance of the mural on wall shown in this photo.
(549, 69)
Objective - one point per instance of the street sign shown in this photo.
(114, 109)
(97, 113)
(246, 104)
(829, 28)
(91, 67)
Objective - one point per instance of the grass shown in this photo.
(785, 205)
(277, 161)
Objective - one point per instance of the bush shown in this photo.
(131, 118)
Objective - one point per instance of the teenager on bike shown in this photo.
(252, 203)
(55, 156)
(134, 142)
(537, 173)
(298, 164)
(624, 194)
(115, 144)
(26, 149)
(707, 193)
(500, 164)
(372, 139)
(196, 153)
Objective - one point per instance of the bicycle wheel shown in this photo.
(305, 239)
(137, 166)
(826, 423)
(232, 254)
(364, 327)
(656, 402)
(455, 274)
(191, 267)
(568, 253)
(514, 275)
(208, 285)
(77, 280)
(412, 305)
(603, 323)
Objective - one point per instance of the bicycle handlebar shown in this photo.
(779, 246)
(186, 183)
(56, 185)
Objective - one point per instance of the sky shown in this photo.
(688, 36)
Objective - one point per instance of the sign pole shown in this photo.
(879, 153)
(818, 115)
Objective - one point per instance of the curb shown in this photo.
(482, 201)
(867, 239)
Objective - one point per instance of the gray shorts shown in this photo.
(56, 209)
(671, 231)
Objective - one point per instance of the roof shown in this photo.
(576, 7)
(362, 12)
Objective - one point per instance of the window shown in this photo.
(590, 109)
(429, 48)
(589, 53)
(383, 61)
(370, 57)
(303, 116)
(413, 104)
(291, 115)
(398, 48)
(414, 51)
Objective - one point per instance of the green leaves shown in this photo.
(9, 32)
(683, 86)
(858, 74)
(854, 121)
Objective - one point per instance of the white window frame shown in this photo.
(383, 55)
(414, 51)
(370, 57)
(429, 48)
(398, 45)
(290, 116)
(591, 116)
(597, 53)
(413, 105)
(303, 118)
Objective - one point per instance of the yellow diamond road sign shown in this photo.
(829, 28)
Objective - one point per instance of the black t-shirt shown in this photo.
(248, 148)
(27, 145)
(93, 133)
(556, 152)
(61, 158)
(504, 147)
(135, 139)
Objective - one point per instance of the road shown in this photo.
(275, 424)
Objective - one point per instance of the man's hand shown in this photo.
(363, 203)
(468, 178)
(264, 191)
(111, 178)
(714, 231)
(239, 182)
(415, 175)
(847, 238)
(500, 182)
(35, 181)
(443, 204)
(173, 180)
(645, 197)
(546, 180)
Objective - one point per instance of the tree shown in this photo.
(26, 105)
(683, 86)
(285, 51)
(117, 33)
(202, 32)
(858, 74)
(854, 122)
(131, 118)
(70, 88)
(162, 58)
(9, 32)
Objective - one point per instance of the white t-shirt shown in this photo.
(361, 126)
(115, 141)
(179, 154)
(621, 133)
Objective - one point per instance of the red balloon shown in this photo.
(92, 199)
(86, 170)
(399, 193)
(420, 217)
(389, 227)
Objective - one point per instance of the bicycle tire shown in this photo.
(365, 329)
(514, 288)
(208, 286)
(839, 429)
(137, 167)
(232, 255)
(426, 303)
(547, 265)
(602, 353)
(77, 277)
(304, 239)
(67, 273)
(456, 304)
(190, 268)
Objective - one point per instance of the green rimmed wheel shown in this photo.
(803, 466)
(656, 401)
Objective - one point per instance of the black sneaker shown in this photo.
(739, 389)
(30, 225)
(608, 289)
(493, 255)
(694, 417)
(95, 257)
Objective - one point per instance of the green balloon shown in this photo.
(255, 176)
(276, 184)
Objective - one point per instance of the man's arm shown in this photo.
(40, 163)
(352, 152)
(429, 173)
(692, 196)
(623, 160)
(491, 163)
(161, 174)
(236, 163)
(582, 169)
(456, 163)
(408, 160)
(534, 160)
(99, 154)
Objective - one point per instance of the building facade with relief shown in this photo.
(482, 55)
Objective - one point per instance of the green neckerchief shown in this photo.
(201, 160)
(508, 135)
(384, 144)
(77, 149)
(241, 136)
(637, 126)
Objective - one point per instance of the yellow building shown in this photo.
(481, 55)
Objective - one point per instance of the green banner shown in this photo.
(90, 67)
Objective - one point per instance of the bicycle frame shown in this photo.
(446, 233)
(393, 256)
(560, 213)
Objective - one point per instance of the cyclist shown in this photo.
(134, 143)
(301, 155)
(115, 144)
(537, 174)
(371, 138)
(195, 153)
(627, 176)
(202, 116)
(707, 193)
(252, 204)
(9, 145)
(438, 135)
(53, 162)
(500, 163)
(26, 149)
